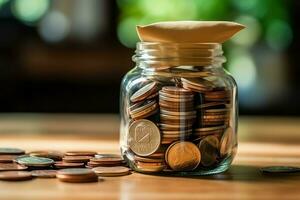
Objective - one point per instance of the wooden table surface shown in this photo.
(263, 141)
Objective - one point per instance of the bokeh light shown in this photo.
(30, 11)
(243, 69)
(54, 27)
(279, 34)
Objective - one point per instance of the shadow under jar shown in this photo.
(178, 110)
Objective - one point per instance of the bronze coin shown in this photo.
(44, 173)
(76, 159)
(195, 88)
(140, 106)
(176, 100)
(209, 148)
(183, 113)
(11, 151)
(175, 127)
(143, 137)
(62, 165)
(152, 95)
(174, 117)
(111, 171)
(108, 160)
(177, 96)
(106, 155)
(176, 90)
(148, 159)
(150, 167)
(11, 167)
(7, 158)
(54, 155)
(183, 156)
(226, 143)
(145, 112)
(77, 175)
(144, 92)
(211, 104)
(80, 153)
(15, 176)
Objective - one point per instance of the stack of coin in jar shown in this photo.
(193, 130)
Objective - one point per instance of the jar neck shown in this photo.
(160, 56)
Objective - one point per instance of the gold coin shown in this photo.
(143, 137)
(209, 148)
(227, 142)
(183, 156)
(144, 92)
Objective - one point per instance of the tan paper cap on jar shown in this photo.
(189, 31)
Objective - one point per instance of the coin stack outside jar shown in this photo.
(178, 110)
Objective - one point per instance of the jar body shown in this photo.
(180, 120)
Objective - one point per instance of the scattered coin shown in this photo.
(62, 165)
(280, 169)
(32, 161)
(111, 171)
(183, 156)
(80, 153)
(11, 151)
(15, 176)
(11, 167)
(105, 155)
(144, 92)
(44, 173)
(76, 159)
(77, 175)
(54, 155)
(7, 158)
(143, 137)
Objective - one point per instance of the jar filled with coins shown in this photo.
(179, 110)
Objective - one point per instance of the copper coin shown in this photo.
(44, 173)
(15, 176)
(61, 165)
(145, 112)
(177, 96)
(76, 159)
(144, 92)
(143, 137)
(11, 167)
(112, 171)
(209, 148)
(183, 113)
(211, 104)
(183, 156)
(108, 160)
(175, 127)
(11, 151)
(148, 159)
(227, 142)
(150, 167)
(80, 153)
(176, 100)
(77, 175)
(152, 95)
(106, 155)
(176, 90)
(54, 155)
(7, 158)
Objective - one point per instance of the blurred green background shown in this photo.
(70, 55)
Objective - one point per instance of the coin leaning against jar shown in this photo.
(143, 137)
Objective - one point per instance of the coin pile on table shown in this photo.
(191, 130)
(72, 166)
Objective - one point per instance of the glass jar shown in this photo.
(178, 110)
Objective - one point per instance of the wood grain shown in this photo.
(263, 142)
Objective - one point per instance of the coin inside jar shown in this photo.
(144, 92)
(143, 137)
(227, 142)
(183, 156)
(209, 148)
(111, 171)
